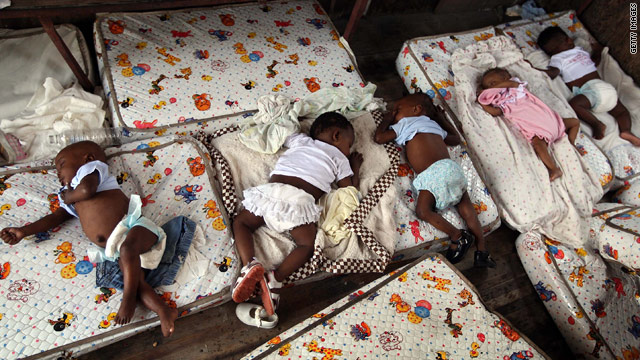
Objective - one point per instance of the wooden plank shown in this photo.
(84, 81)
(357, 12)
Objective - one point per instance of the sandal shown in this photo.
(464, 243)
(245, 285)
(270, 300)
(255, 315)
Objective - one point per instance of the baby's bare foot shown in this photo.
(554, 173)
(599, 131)
(627, 135)
(167, 317)
(125, 313)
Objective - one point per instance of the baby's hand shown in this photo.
(355, 160)
(596, 47)
(11, 235)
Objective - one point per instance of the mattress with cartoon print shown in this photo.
(425, 310)
(49, 301)
(170, 68)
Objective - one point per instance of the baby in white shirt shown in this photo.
(591, 94)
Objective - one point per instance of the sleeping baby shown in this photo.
(508, 96)
(590, 93)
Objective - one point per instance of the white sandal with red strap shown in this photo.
(245, 285)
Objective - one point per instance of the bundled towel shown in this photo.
(277, 116)
(336, 208)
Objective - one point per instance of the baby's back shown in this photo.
(425, 149)
(100, 214)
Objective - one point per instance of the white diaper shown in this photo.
(282, 206)
(602, 95)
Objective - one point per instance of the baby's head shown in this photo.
(413, 105)
(493, 77)
(553, 40)
(334, 129)
(72, 157)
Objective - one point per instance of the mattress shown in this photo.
(426, 310)
(171, 68)
(616, 233)
(425, 65)
(625, 158)
(34, 57)
(593, 301)
(50, 304)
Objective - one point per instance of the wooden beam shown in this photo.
(84, 81)
(358, 10)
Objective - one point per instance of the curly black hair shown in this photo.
(549, 34)
(328, 120)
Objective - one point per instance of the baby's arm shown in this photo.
(85, 190)
(13, 235)
(383, 133)
(355, 160)
(596, 51)
(551, 71)
(495, 111)
(440, 117)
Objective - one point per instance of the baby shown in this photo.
(288, 202)
(591, 94)
(541, 126)
(440, 180)
(92, 195)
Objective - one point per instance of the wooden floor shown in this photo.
(217, 333)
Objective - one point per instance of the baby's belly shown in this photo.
(100, 214)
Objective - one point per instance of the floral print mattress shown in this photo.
(175, 67)
(593, 299)
(426, 310)
(49, 302)
(424, 64)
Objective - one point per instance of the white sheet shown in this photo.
(516, 177)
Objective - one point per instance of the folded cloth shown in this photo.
(282, 206)
(445, 180)
(336, 208)
(151, 258)
(179, 234)
(602, 95)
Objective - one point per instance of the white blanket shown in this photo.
(53, 109)
(518, 180)
(250, 168)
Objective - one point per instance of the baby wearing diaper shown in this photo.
(416, 124)
(301, 176)
(110, 220)
(508, 96)
(591, 94)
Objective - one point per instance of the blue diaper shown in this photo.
(180, 231)
(445, 180)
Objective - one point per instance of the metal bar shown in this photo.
(84, 81)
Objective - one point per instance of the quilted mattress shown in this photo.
(48, 298)
(425, 65)
(625, 159)
(175, 67)
(426, 310)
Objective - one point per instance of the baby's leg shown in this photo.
(623, 118)
(305, 238)
(139, 240)
(572, 126)
(542, 149)
(582, 107)
(425, 211)
(468, 213)
(153, 302)
(244, 225)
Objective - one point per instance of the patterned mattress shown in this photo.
(175, 67)
(426, 310)
(50, 303)
(425, 65)
(625, 159)
(593, 301)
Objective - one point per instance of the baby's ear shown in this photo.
(89, 158)
(335, 135)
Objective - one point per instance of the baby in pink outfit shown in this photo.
(541, 126)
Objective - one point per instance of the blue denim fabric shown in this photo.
(179, 232)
